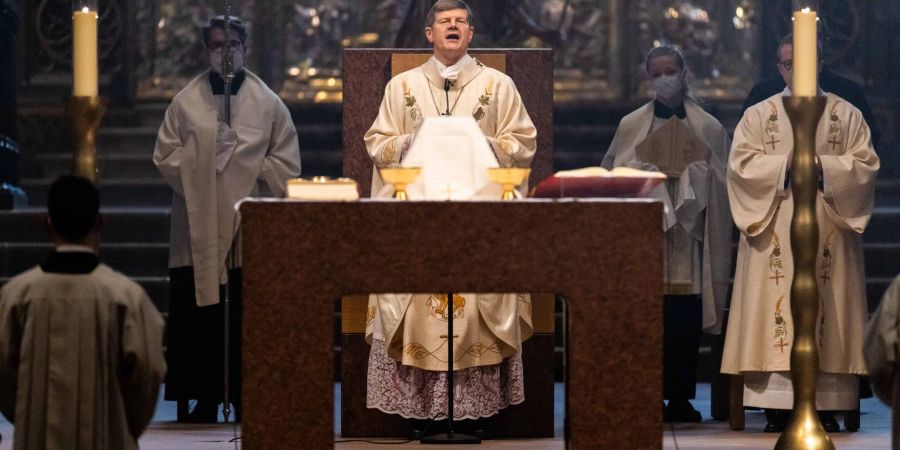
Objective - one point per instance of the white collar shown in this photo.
(451, 72)
(74, 248)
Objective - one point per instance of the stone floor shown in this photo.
(874, 434)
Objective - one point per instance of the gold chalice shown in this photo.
(399, 177)
(509, 178)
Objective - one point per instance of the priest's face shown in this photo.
(786, 63)
(451, 33)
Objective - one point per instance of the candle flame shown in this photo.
(85, 9)
(805, 10)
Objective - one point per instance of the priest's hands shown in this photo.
(226, 142)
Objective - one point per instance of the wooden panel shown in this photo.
(401, 62)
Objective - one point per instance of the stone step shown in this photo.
(114, 192)
(132, 259)
(149, 225)
(117, 165)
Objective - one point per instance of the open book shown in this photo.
(322, 188)
(672, 147)
(599, 182)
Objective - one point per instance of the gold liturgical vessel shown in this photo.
(804, 430)
(399, 177)
(509, 178)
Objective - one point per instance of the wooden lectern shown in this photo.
(366, 72)
(603, 257)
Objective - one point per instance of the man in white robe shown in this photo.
(880, 351)
(210, 166)
(81, 356)
(697, 223)
(760, 331)
(405, 376)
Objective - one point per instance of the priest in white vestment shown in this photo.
(489, 366)
(760, 330)
(81, 357)
(211, 165)
(880, 351)
(697, 223)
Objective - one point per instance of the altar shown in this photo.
(603, 257)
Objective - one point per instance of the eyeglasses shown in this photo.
(216, 45)
(787, 65)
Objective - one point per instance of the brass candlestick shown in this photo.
(399, 177)
(804, 431)
(84, 115)
(509, 178)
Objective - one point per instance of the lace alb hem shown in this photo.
(422, 394)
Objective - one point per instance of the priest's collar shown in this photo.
(664, 112)
(469, 69)
(218, 83)
(71, 262)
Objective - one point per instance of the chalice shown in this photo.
(509, 178)
(399, 177)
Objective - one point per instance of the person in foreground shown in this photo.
(211, 162)
(81, 357)
(881, 351)
(697, 223)
(760, 331)
(490, 327)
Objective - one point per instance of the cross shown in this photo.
(834, 142)
(772, 142)
(776, 277)
(781, 344)
(449, 192)
(825, 278)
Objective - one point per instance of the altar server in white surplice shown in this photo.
(408, 361)
(760, 330)
(697, 223)
(210, 165)
(81, 356)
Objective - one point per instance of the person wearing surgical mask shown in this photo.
(211, 161)
(697, 224)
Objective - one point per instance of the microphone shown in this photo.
(447, 84)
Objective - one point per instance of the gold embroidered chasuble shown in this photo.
(486, 94)
(487, 327)
(760, 331)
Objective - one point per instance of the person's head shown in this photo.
(785, 59)
(449, 27)
(214, 38)
(73, 211)
(666, 73)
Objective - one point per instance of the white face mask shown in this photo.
(215, 59)
(667, 86)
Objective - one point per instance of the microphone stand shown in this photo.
(447, 84)
(228, 75)
(450, 437)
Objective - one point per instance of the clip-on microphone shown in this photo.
(447, 84)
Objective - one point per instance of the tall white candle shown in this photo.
(84, 53)
(806, 59)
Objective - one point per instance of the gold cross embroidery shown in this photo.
(834, 142)
(772, 142)
(776, 277)
(781, 344)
